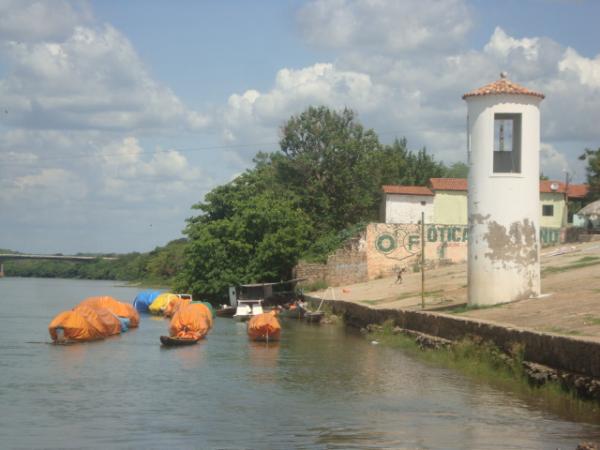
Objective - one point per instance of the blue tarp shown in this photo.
(144, 299)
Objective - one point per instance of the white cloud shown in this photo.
(585, 69)
(552, 161)
(385, 26)
(128, 175)
(254, 114)
(501, 44)
(30, 20)
(49, 186)
(91, 80)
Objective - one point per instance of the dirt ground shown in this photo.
(569, 304)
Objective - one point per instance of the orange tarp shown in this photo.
(101, 318)
(116, 307)
(85, 324)
(207, 312)
(264, 327)
(174, 305)
(190, 322)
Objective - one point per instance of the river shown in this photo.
(320, 387)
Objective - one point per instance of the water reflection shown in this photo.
(319, 387)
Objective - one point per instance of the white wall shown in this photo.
(504, 208)
(401, 208)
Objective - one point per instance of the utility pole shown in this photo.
(567, 179)
(422, 259)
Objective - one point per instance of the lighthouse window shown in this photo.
(507, 143)
(548, 210)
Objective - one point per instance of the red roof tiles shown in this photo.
(574, 190)
(460, 184)
(578, 190)
(502, 86)
(448, 184)
(407, 190)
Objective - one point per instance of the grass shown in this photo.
(318, 285)
(586, 261)
(485, 362)
(591, 320)
(560, 330)
(466, 308)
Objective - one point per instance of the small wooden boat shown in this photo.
(313, 316)
(296, 312)
(171, 341)
(226, 311)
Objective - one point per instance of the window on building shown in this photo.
(507, 143)
(547, 210)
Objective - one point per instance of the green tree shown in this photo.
(457, 170)
(328, 160)
(258, 240)
(592, 172)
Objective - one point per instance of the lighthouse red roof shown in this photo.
(502, 86)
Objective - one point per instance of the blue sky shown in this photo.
(118, 116)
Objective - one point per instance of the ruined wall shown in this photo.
(394, 246)
(347, 265)
(383, 249)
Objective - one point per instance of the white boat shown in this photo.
(247, 308)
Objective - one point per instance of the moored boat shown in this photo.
(247, 309)
(313, 316)
(171, 341)
(226, 311)
(264, 327)
(295, 311)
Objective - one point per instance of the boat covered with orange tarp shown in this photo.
(84, 324)
(116, 307)
(191, 322)
(264, 327)
(174, 305)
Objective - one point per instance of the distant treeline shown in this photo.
(156, 267)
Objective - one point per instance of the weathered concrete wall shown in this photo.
(312, 272)
(390, 247)
(407, 208)
(450, 207)
(559, 213)
(383, 249)
(558, 352)
(347, 265)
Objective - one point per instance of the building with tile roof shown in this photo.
(446, 202)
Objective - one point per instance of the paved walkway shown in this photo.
(569, 305)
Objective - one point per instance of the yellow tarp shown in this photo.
(116, 307)
(161, 302)
(190, 322)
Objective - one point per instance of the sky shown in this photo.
(116, 117)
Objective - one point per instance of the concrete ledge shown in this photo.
(572, 354)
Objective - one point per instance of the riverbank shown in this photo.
(559, 332)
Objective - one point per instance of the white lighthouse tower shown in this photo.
(504, 197)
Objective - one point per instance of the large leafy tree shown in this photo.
(328, 160)
(592, 172)
(259, 238)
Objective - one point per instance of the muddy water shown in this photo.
(319, 388)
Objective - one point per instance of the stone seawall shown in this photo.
(563, 353)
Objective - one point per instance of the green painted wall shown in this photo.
(559, 217)
(450, 207)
